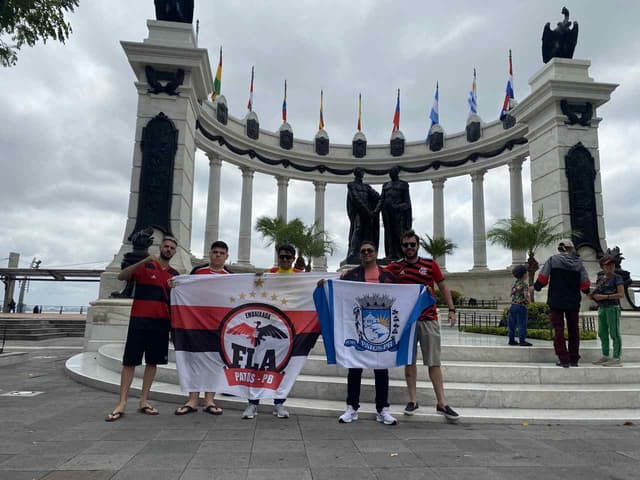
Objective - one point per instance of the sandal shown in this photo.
(148, 410)
(185, 409)
(113, 416)
(213, 409)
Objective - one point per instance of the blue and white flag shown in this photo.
(369, 325)
(434, 115)
(473, 97)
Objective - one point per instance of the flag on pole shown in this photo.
(241, 334)
(434, 115)
(284, 104)
(473, 96)
(359, 112)
(217, 82)
(250, 103)
(396, 115)
(508, 96)
(369, 325)
(321, 122)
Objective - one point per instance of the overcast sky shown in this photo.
(68, 114)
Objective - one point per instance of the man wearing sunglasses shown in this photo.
(286, 257)
(368, 271)
(426, 271)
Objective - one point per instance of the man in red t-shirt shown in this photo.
(218, 255)
(149, 324)
(425, 271)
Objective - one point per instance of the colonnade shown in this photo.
(320, 264)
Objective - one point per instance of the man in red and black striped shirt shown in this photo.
(426, 271)
(149, 324)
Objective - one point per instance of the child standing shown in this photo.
(609, 289)
(518, 312)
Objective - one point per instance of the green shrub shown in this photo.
(537, 333)
(538, 316)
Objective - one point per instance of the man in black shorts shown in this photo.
(149, 324)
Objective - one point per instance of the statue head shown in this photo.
(358, 174)
(394, 173)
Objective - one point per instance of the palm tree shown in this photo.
(438, 247)
(516, 233)
(310, 241)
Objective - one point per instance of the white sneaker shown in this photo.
(349, 415)
(250, 412)
(614, 362)
(279, 411)
(601, 360)
(385, 417)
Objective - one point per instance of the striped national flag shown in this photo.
(250, 103)
(359, 112)
(321, 122)
(217, 82)
(434, 115)
(473, 96)
(508, 96)
(284, 103)
(396, 115)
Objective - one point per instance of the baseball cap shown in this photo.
(565, 243)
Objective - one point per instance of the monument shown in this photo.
(395, 205)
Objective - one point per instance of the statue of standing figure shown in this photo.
(395, 204)
(362, 201)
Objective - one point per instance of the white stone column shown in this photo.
(517, 202)
(438, 214)
(479, 234)
(212, 225)
(246, 204)
(320, 263)
(283, 184)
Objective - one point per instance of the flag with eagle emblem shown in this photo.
(247, 335)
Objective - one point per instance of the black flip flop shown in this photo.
(114, 416)
(185, 409)
(148, 410)
(213, 410)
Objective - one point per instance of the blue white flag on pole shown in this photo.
(369, 325)
(434, 115)
(473, 97)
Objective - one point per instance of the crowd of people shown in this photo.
(149, 326)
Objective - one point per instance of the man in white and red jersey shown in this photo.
(425, 271)
(148, 332)
(218, 255)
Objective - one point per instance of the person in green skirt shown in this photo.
(608, 292)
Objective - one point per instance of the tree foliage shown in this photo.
(309, 240)
(516, 233)
(437, 246)
(27, 21)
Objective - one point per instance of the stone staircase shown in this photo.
(485, 382)
(37, 327)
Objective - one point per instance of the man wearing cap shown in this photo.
(608, 292)
(566, 276)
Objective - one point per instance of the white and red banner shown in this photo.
(243, 334)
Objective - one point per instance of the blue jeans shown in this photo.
(518, 319)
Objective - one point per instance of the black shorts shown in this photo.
(154, 344)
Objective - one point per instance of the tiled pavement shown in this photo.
(60, 435)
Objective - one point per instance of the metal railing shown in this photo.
(587, 322)
(59, 309)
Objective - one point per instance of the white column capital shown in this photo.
(247, 172)
(516, 164)
(319, 185)
(283, 182)
(438, 183)
(215, 159)
(477, 175)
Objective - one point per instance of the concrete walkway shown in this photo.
(60, 434)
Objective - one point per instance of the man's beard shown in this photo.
(164, 256)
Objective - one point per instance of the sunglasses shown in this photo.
(285, 257)
(365, 251)
(409, 245)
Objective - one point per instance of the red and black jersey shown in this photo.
(425, 271)
(206, 270)
(150, 310)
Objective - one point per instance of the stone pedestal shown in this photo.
(171, 51)
(551, 136)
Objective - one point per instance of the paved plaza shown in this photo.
(60, 434)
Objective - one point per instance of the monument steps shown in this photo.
(488, 391)
(40, 328)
